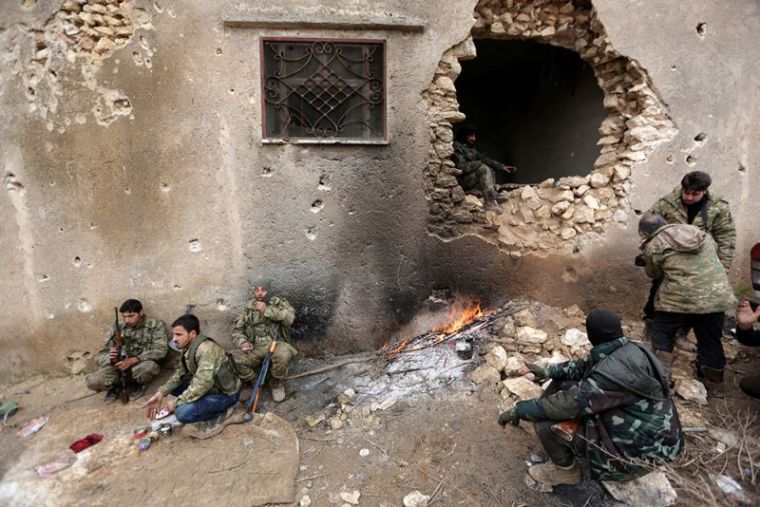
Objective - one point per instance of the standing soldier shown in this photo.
(477, 169)
(144, 344)
(264, 319)
(694, 292)
(692, 203)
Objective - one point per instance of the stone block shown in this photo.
(497, 357)
(692, 390)
(524, 318)
(522, 388)
(527, 334)
(599, 179)
(485, 373)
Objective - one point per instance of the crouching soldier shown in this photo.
(144, 343)
(205, 384)
(264, 319)
(618, 400)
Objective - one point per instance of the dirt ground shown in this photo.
(448, 446)
(442, 441)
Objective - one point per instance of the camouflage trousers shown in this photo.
(476, 175)
(560, 451)
(246, 362)
(105, 377)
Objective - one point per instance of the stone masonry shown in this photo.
(554, 215)
(78, 36)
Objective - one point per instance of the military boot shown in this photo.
(712, 378)
(490, 203)
(278, 390)
(666, 360)
(553, 475)
(207, 429)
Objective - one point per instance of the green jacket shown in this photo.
(148, 342)
(206, 368)
(621, 396)
(693, 278)
(719, 224)
(464, 155)
(259, 328)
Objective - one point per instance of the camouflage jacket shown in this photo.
(147, 341)
(719, 225)
(464, 153)
(205, 369)
(259, 328)
(693, 278)
(628, 420)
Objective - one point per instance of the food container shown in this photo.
(140, 431)
(165, 430)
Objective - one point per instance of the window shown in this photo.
(323, 90)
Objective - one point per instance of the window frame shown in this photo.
(285, 139)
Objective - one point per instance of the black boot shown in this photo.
(712, 378)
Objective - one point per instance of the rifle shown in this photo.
(119, 342)
(253, 400)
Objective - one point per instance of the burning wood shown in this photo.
(462, 322)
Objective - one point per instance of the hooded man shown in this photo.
(692, 203)
(620, 398)
(265, 318)
(694, 292)
(477, 169)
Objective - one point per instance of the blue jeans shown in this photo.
(205, 408)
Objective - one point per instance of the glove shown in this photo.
(509, 416)
(536, 370)
(640, 260)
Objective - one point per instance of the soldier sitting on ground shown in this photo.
(205, 384)
(264, 319)
(477, 169)
(144, 344)
(618, 399)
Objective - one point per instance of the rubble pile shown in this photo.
(556, 214)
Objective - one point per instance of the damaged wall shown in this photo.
(135, 167)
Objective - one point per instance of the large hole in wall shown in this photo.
(579, 200)
(537, 107)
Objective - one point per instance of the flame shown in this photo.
(458, 318)
(461, 318)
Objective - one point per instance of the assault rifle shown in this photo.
(120, 355)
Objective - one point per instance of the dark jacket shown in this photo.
(628, 419)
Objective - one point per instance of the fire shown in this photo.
(461, 318)
(457, 318)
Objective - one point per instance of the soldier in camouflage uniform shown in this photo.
(695, 292)
(264, 319)
(205, 384)
(477, 169)
(619, 395)
(144, 343)
(692, 203)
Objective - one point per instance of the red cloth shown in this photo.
(83, 443)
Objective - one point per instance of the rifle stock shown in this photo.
(119, 342)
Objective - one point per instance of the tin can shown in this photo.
(165, 430)
(140, 432)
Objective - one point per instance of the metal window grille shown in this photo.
(324, 90)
